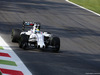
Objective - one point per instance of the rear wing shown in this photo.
(29, 24)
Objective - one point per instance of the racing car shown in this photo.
(31, 36)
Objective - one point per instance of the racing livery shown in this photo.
(31, 36)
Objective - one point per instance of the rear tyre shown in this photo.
(55, 43)
(23, 42)
(15, 35)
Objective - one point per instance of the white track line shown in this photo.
(6, 58)
(20, 66)
(83, 8)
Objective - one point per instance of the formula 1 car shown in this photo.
(31, 36)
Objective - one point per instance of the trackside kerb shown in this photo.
(10, 63)
(1, 48)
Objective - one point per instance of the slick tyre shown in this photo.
(15, 35)
(55, 43)
(23, 42)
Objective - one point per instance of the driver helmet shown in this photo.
(37, 31)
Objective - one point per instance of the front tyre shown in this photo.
(55, 43)
(23, 42)
(15, 35)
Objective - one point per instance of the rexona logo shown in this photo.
(10, 63)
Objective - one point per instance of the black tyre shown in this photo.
(55, 43)
(15, 35)
(23, 42)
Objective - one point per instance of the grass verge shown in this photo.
(93, 5)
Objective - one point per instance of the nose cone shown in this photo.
(40, 40)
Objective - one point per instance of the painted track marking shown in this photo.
(10, 63)
(83, 8)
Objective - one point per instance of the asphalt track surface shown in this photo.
(78, 29)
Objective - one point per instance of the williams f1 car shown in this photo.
(31, 36)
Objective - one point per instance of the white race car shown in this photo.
(31, 36)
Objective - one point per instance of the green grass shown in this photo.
(93, 5)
